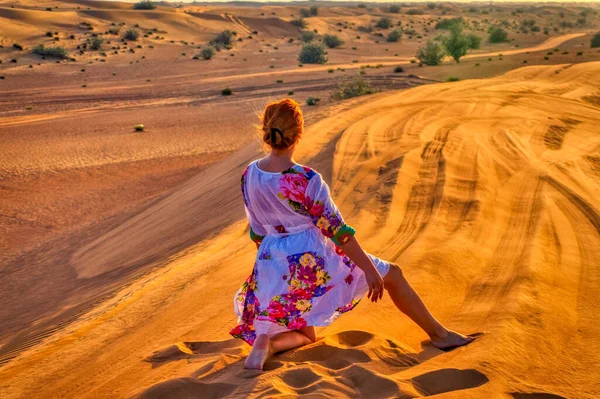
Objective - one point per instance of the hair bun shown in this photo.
(282, 123)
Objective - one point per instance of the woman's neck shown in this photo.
(277, 161)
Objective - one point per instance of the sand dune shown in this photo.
(484, 191)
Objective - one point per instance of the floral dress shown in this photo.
(301, 277)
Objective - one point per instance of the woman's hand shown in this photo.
(375, 283)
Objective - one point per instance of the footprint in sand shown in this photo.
(351, 363)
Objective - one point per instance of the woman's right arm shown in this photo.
(354, 251)
(327, 217)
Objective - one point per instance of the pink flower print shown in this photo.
(293, 186)
(299, 293)
(276, 310)
(349, 279)
(297, 324)
(316, 209)
(307, 274)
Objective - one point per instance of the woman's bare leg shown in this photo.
(409, 302)
(264, 346)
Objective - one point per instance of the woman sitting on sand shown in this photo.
(309, 267)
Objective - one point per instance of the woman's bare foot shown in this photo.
(259, 353)
(451, 339)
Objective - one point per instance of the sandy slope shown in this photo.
(485, 191)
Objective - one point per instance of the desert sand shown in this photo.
(121, 251)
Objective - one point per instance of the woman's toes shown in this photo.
(451, 340)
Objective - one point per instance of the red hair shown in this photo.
(282, 123)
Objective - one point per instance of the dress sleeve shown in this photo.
(257, 231)
(324, 213)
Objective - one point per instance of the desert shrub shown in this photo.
(226, 92)
(453, 79)
(394, 9)
(353, 87)
(332, 41)
(114, 30)
(415, 11)
(139, 127)
(595, 42)
(307, 36)
(474, 41)
(394, 35)
(431, 5)
(49, 34)
(55, 52)
(361, 5)
(312, 100)
(304, 12)
(95, 43)
(207, 53)
(312, 54)
(566, 24)
(314, 10)
(398, 69)
(131, 34)
(224, 38)
(410, 32)
(18, 46)
(431, 54)
(498, 35)
(366, 29)
(447, 23)
(144, 5)
(456, 43)
(299, 22)
(384, 23)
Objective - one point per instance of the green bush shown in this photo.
(447, 23)
(312, 100)
(131, 34)
(394, 35)
(353, 87)
(207, 53)
(307, 36)
(595, 40)
(95, 43)
(394, 9)
(453, 79)
(415, 11)
(55, 52)
(114, 30)
(314, 10)
(398, 69)
(498, 35)
(224, 38)
(384, 23)
(226, 92)
(457, 43)
(366, 29)
(332, 41)
(431, 54)
(299, 22)
(144, 5)
(312, 54)
(474, 41)
(18, 46)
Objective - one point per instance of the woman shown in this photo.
(309, 267)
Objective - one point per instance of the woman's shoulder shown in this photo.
(305, 170)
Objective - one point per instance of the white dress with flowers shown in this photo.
(301, 277)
